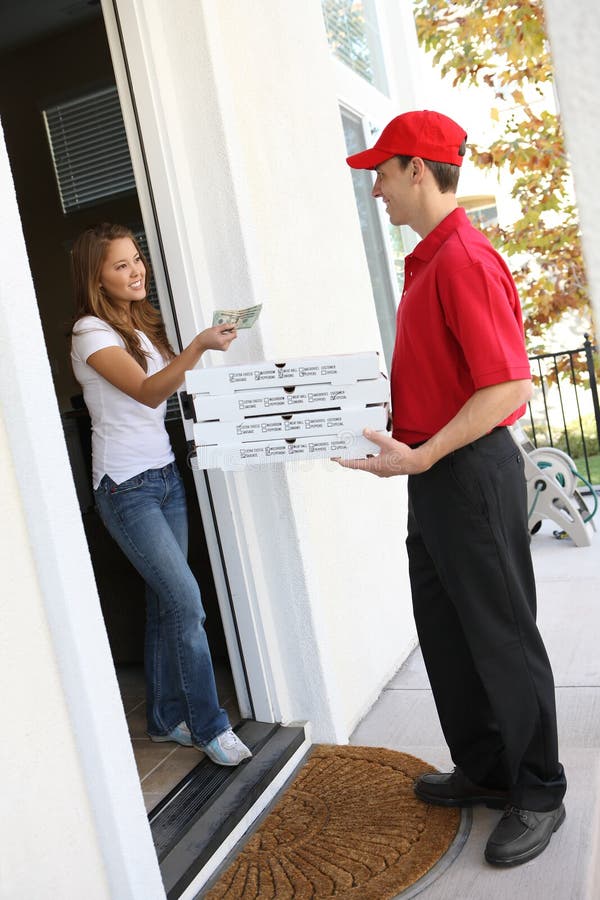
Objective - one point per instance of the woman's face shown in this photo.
(123, 275)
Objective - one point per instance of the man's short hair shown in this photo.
(445, 174)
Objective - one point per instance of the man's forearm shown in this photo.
(482, 412)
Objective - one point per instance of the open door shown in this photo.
(69, 153)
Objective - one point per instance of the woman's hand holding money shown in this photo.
(219, 337)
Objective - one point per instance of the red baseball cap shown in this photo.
(423, 133)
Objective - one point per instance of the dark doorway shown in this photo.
(54, 58)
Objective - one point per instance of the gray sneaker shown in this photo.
(179, 735)
(226, 749)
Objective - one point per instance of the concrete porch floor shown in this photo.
(404, 718)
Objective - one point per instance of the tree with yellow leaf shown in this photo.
(503, 44)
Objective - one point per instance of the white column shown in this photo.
(74, 823)
(574, 32)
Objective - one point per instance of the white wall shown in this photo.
(265, 212)
(575, 38)
(283, 124)
(49, 847)
(73, 821)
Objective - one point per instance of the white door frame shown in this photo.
(161, 206)
(61, 565)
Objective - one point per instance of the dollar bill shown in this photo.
(241, 318)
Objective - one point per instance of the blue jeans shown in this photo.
(147, 517)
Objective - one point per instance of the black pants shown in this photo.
(475, 606)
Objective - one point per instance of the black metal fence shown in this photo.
(564, 411)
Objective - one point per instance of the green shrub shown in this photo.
(575, 444)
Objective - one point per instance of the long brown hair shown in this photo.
(87, 257)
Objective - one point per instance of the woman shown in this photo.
(127, 369)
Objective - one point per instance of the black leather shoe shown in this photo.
(521, 835)
(455, 789)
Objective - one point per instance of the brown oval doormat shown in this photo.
(348, 827)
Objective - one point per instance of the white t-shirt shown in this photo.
(127, 437)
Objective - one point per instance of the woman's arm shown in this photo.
(121, 369)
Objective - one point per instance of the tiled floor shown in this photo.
(162, 766)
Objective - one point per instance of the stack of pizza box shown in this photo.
(298, 409)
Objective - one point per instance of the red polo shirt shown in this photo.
(458, 329)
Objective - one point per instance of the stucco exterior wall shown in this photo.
(575, 38)
(283, 123)
(265, 213)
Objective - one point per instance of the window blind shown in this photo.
(346, 33)
(89, 148)
(353, 35)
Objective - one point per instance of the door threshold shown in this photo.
(211, 808)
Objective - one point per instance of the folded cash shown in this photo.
(241, 318)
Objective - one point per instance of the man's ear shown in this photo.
(417, 169)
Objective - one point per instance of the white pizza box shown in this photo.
(341, 369)
(292, 425)
(290, 398)
(261, 453)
